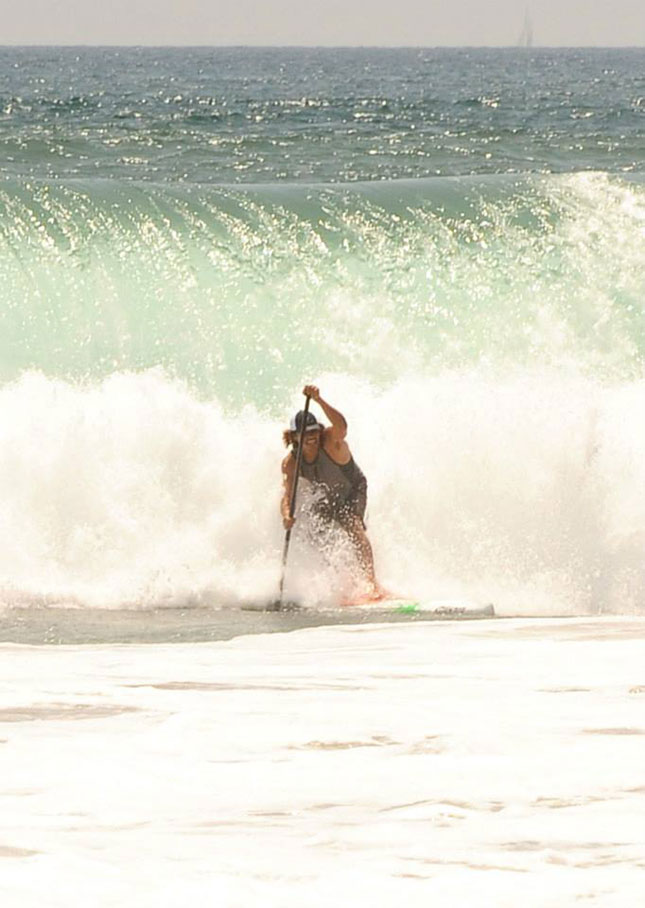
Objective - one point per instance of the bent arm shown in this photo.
(338, 428)
(288, 474)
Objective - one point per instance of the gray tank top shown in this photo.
(341, 482)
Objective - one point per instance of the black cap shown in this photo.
(312, 422)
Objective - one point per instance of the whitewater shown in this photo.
(450, 243)
(481, 336)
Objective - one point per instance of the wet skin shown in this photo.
(353, 526)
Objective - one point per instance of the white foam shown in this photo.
(525, 489)
(495, 763)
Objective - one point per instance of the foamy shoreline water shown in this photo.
(492, 763)
(78, 626)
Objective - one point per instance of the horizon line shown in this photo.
(233, 46)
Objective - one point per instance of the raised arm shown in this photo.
(338, 428)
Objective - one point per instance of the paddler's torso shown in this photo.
(335, 477)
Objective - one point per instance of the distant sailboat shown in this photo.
(526, 35)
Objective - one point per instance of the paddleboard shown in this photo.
(429, 608)
(441, 608)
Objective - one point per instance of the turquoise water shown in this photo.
(449, 241)
(237, 291)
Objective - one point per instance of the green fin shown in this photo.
(408, 607)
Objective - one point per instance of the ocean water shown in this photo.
(495, 764)
(451, 243)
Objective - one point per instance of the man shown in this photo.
(339, 485)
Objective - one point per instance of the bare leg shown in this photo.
(354, 528)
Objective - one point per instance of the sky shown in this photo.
(323, 22)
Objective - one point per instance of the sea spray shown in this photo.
(483, 334)
(240, 292)
(525, 489)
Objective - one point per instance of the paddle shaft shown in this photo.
(292, 503)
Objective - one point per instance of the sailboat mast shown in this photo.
(526, 35)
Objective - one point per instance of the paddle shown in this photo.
(279, 604)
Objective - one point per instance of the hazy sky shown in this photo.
(322, 22)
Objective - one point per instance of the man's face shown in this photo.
(310, 444)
